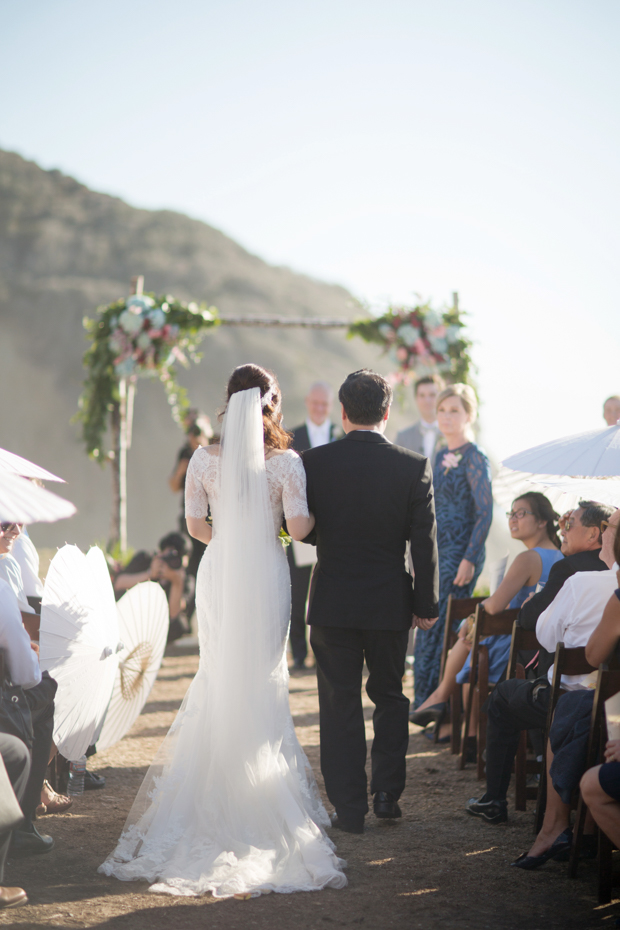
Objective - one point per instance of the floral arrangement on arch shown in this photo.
(138, 336)
(420, 341)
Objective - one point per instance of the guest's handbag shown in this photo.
(15, 716)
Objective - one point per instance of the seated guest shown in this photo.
(568, 735)
(533, 521)
(517, 705)
(165, 566)
(23, 669)
(25, 554)
(15, 758)
(581, 546)
(600, 786)
(10, 570)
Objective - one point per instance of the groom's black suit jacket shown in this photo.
(369, 498)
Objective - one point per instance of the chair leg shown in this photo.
(521, 774)
(605, 848)
(456, 714)
(482, 693)
(465, 727)
(580, 819)
(541, 798)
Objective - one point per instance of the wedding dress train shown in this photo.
(230, 804)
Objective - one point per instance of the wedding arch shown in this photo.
(145, 335)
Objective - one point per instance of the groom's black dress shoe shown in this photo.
(385, 806)
(347, 825)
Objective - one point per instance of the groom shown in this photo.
(369, 498)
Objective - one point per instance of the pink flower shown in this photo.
(419, 347)
(439, 332)
(451, 460)
(402, 354)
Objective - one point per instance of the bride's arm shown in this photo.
(199, 529)
(299, 520)
(196, 500)
(299, 527)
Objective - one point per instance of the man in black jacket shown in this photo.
(369, 498)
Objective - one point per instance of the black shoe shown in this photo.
(29, 842)
(298, 665)
(347, 825)
(433, 714)
(491, 811)
(385, 806)
(560, 848)
(93, 782)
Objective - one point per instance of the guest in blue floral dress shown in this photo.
(464, 508)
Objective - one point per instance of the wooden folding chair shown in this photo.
(566, 662)
(458, 609)
(607, 684)
(500, 624)
(523, 641)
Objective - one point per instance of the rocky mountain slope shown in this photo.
(65, 249)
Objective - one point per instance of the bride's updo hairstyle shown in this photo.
(250, 376)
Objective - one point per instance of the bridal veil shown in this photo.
(230, 804)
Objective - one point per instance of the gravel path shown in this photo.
(437, 868)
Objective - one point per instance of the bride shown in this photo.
(230, 804)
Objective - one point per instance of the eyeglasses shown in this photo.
(5, 527)
(605, 525)
(518, 514)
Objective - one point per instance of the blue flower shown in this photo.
(409, 334)
(126, 368)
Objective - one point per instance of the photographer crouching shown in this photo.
(167, 566)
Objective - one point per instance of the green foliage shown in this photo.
(420, 341)
(163, 331)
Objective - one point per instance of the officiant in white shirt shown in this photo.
(317, 430)
(424, 436)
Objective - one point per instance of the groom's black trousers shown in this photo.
(340, 655)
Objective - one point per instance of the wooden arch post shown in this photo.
(122, 426)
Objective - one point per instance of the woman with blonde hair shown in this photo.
(464, 508)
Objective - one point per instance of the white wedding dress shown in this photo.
(230, 805)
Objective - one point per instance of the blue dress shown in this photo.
(499, 646)
(464, 508)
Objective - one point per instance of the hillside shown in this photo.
(65, 249)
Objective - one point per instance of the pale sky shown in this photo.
(393, 147)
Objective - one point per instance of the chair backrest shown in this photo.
(571, 661)
(500, 624)
(522, 641)
(458, 608)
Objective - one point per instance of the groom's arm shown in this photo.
(424, 545)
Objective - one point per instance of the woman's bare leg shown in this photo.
(454, 663)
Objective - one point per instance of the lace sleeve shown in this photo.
(294, 500)
(196, 500)
(478, 474)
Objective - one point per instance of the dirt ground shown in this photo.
(437, 867)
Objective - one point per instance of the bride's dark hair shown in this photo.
(250, 376)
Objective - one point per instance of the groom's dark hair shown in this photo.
(366, 397)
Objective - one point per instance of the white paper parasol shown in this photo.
(585, 466)
(24, 502)
(143, 625)
(78, 646)
(19, 466)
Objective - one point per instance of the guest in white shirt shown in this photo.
(517, 705)
(424, 436)
(10, 570)
(317, 430)
(22, 663)
(25, 554)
